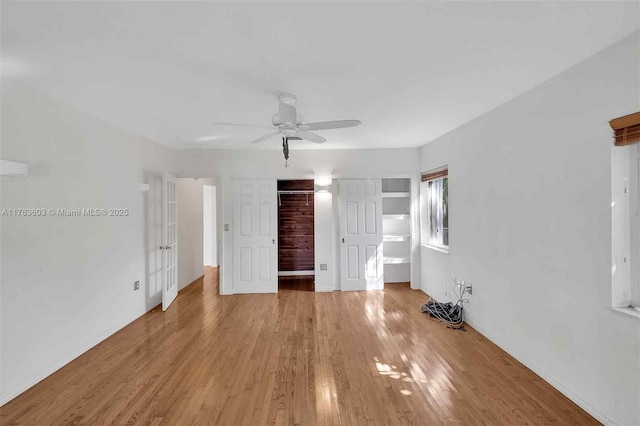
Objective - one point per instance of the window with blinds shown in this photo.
(625, 212)
(434, 200)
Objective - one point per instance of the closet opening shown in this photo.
(396, 229)
(296, 253)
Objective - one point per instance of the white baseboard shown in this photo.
(323, 290)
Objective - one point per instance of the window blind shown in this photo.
(626, 129)
(435, 175)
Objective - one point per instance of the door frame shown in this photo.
(226, 183)
(415, 222)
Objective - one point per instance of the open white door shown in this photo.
(361, 234)
(170, 241)
(255, 236)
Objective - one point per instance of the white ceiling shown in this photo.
(410, 71)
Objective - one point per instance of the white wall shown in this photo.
(210, 246)
(67, 282)
(530, 213)
(324, 237)
(189, 193)
(229, 164)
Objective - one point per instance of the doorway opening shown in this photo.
(209, 238)
(375, 232)
(396, 229)
(196, 229)
(296, 253)
(209, 233)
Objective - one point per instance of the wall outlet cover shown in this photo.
(323, 266)
(136, 285)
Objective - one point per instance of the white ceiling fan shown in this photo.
(289, 125)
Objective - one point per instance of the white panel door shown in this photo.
(361, 234)
(255, 236)
(170, 241)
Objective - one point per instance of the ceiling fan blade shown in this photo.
(308, 136)
(243, 125)
(326, 125)
(265, 137)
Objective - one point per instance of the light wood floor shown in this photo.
(293, 358)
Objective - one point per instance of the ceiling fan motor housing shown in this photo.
(288, 99)
(276, 121)
(287, 112)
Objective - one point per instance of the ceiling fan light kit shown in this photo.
(290, 126)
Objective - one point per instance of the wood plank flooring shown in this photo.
(297, 357)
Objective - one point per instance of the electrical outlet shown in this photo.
(462, 284)
(226, 226)
(136, 285)
(323, 266)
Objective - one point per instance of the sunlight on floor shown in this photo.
(391, 371)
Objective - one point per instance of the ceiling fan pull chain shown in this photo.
(285, 151)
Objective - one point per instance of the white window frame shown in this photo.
(427, 191)
(634, 226)
(625, 229)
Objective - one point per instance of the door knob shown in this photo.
(343, 241)
(273, 241)
(161, 247)
(167, 247)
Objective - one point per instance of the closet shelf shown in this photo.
(389, 260)
(397, 237)
(395, 216)
(396, 194)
